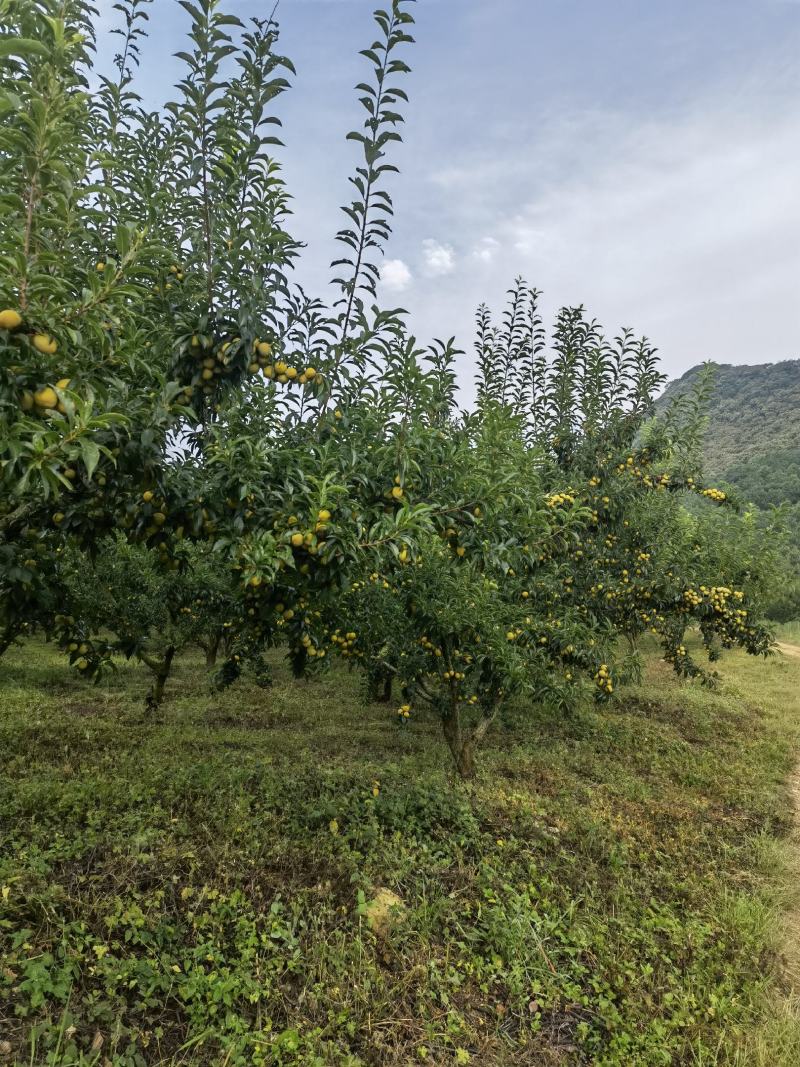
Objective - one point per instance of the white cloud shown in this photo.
(684, 226)
(395, 276)
(486, 249)
(438, 259)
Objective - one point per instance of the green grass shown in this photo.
(191, 890)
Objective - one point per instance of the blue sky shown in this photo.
(641, 157)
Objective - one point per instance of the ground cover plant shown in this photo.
(195, 888)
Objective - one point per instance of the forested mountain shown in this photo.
(753, 438)
(753, 442)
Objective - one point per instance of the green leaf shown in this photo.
(21, 46)
(90, 454)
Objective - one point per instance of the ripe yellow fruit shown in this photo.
(58, 518)
(62, 383)
(324, 515)
(460, 551)
(207, 374)
(291, 372)
(10, 319)
(310, 373)
(264, 348)
(45, 398)
(45, 344)
(297, 540)
(147, 496)
(82, 664)
(255, 581)
(100, 267)
(397, 492)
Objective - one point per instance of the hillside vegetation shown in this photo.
(752, 441)
(754, 428)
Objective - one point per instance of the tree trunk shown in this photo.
(387, 689)
(462, 745)
(379, 686)
(211, 649)
(465, 760)
(161, 669)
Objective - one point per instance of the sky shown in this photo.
(637, 157)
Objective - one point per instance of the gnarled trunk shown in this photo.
(379, 686)
(211, 648)
(463, 743)
(161, 669)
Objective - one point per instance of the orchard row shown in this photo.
(194, 451)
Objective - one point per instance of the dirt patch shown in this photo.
(789, 650)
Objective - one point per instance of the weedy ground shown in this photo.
(193, 889)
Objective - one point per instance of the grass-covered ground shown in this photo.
(192, 890)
